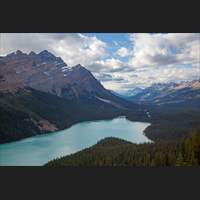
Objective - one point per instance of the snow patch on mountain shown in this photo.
(110, 102)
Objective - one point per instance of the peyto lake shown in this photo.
(38, 150)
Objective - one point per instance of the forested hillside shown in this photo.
(28, 112)
(117, 152)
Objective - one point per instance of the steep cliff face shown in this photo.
(41, 71)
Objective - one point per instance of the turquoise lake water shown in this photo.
(38, 150)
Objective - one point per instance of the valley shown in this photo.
(115, 152)
(40, 94)
(64, 97)
(39, 149)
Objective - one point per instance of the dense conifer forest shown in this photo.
(117, 152)
(20, 112)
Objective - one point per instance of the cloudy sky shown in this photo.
(119, 61)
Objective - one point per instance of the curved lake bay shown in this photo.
(38, 150)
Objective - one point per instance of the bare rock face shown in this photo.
(45, 125)
(47, 73)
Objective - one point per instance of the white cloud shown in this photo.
(105, 77)
(108, 65)
(122, 52)
(73, 48)
(152, 50)
(116, 43)
(160, 58)
(163, 58)
(167, 74)
(152, 58)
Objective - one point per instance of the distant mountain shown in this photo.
(116, 93)
(132, 92)
(169, 93)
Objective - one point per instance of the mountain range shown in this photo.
(131, 92)
(169, 93)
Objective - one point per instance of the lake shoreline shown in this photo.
(39, 149)
(77, 122)
(61, 129)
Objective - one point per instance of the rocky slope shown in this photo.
(48, 73)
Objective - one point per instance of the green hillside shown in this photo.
(117, 152)
(21, 111)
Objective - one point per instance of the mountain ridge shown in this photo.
(48, 73)
(169, 93)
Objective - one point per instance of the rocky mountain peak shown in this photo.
(79, 66)
(32, 53)
(45, 52)
(18, 52)
(48, 73)
(46, 56)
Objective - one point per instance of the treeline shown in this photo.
(170, 122)
(117, 152)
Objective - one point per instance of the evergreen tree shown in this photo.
(180, 160)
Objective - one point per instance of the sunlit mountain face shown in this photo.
(50, 74)
(121, 62)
